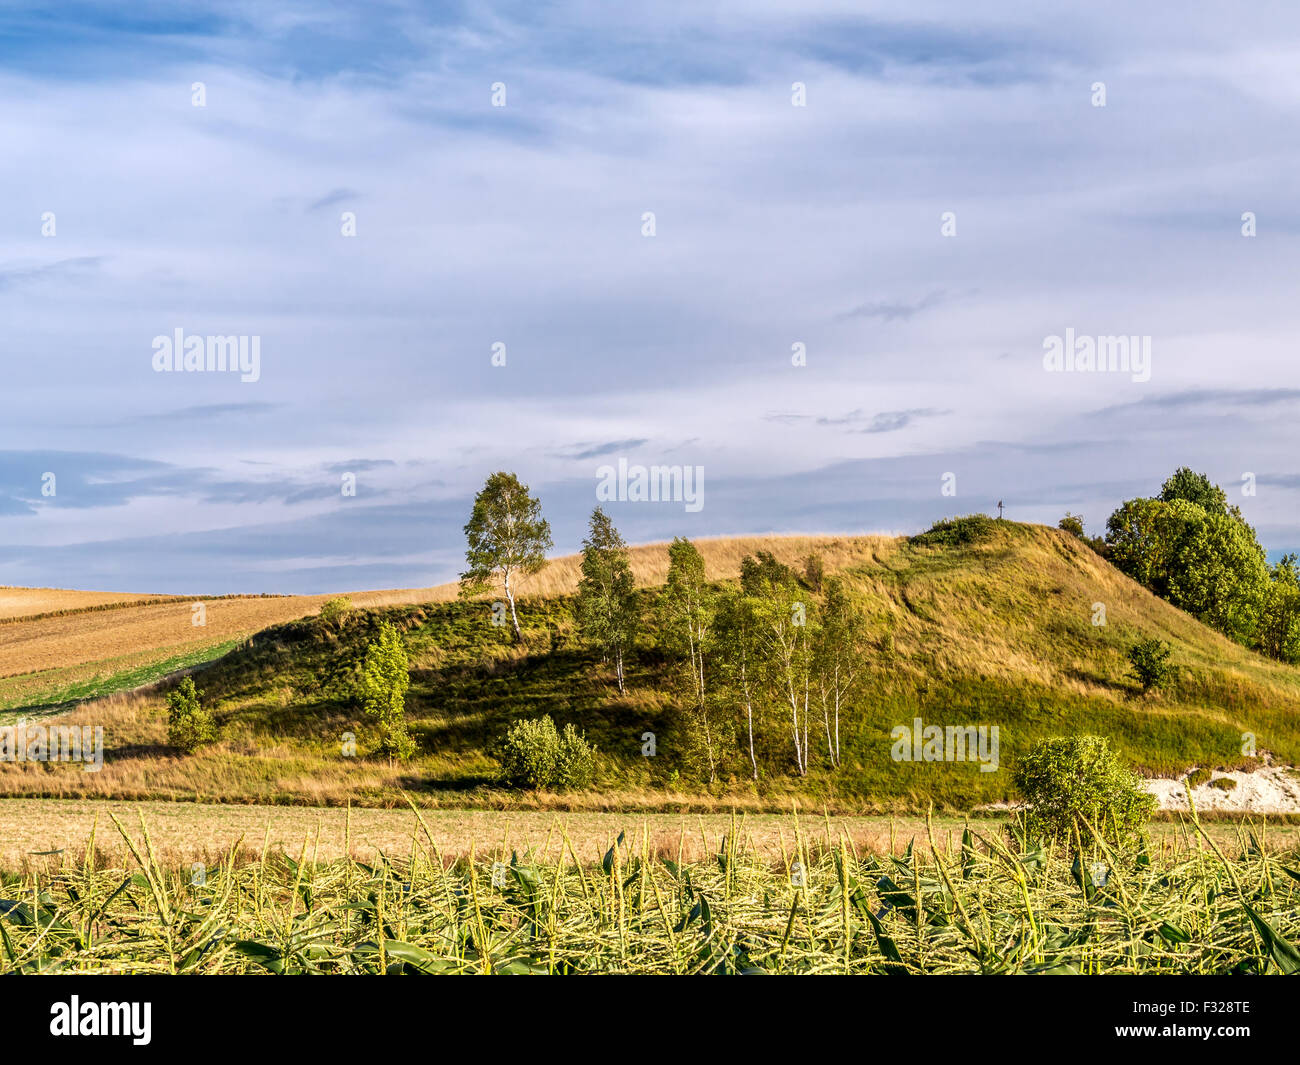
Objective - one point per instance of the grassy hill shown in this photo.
(997, 632)
(60, 647)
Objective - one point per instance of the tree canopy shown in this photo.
(506, 535)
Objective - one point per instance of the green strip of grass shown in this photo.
(60, 699)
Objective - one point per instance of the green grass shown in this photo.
(993, 905)
(61, 698)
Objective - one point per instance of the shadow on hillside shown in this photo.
(1098, 680)
(426, 786)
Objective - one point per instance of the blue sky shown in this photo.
(775, 225)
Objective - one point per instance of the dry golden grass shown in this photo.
(722, 556)
(186, 832)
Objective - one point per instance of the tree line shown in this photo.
(764, 670)
(1190, 546)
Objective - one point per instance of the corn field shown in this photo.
(990, 903)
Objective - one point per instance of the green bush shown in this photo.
(333, 611)
(189, 726)
(534, 754)
(1072, 523)
(1068, 778)
(1197, 777)
(1150, 662)
(575, 764)
(1223, 783)
(385, 678)
(957, 532)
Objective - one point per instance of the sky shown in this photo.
(812, 250)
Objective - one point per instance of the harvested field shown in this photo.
(26, 602)
(184, 832)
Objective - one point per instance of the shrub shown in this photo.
(814, 572)
(1150, 662)
(1197, 777)
(333, 611)
(1067, 778)
(575, 764)
(1072, 523)
(1223, 783)
(189, 726)
(957, 532)
(385, 676)
(534, 754)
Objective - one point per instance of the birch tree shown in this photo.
(740, 655)
(607, 605)
(785, 629)
(837, 658)
(688, 612)
(507, 537)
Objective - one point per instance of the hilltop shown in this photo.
(999, 632)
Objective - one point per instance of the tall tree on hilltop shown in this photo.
(1186, 483)
(1193, 548)
(506, 536)
(607, 605)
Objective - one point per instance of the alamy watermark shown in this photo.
(179, 353)
(1089, 354)
(920, 742)
(77, 1018)
(652, 484)
(53, 743)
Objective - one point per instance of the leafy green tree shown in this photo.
(688, 607)
(607, 604)
(1194, 488)
(1279, 622)
(1140, 535)
(1217, 572)
(762, 571)
(385, 677)
(1149, 660)
(1069, 779)
(1192, 548)
(189, 725)
(838, 652)
(786, 632)
(506, 536)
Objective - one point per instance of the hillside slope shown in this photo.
(58, 646)
(998, 633)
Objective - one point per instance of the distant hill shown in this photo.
(998, 632)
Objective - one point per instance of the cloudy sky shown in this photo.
(128, 212)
